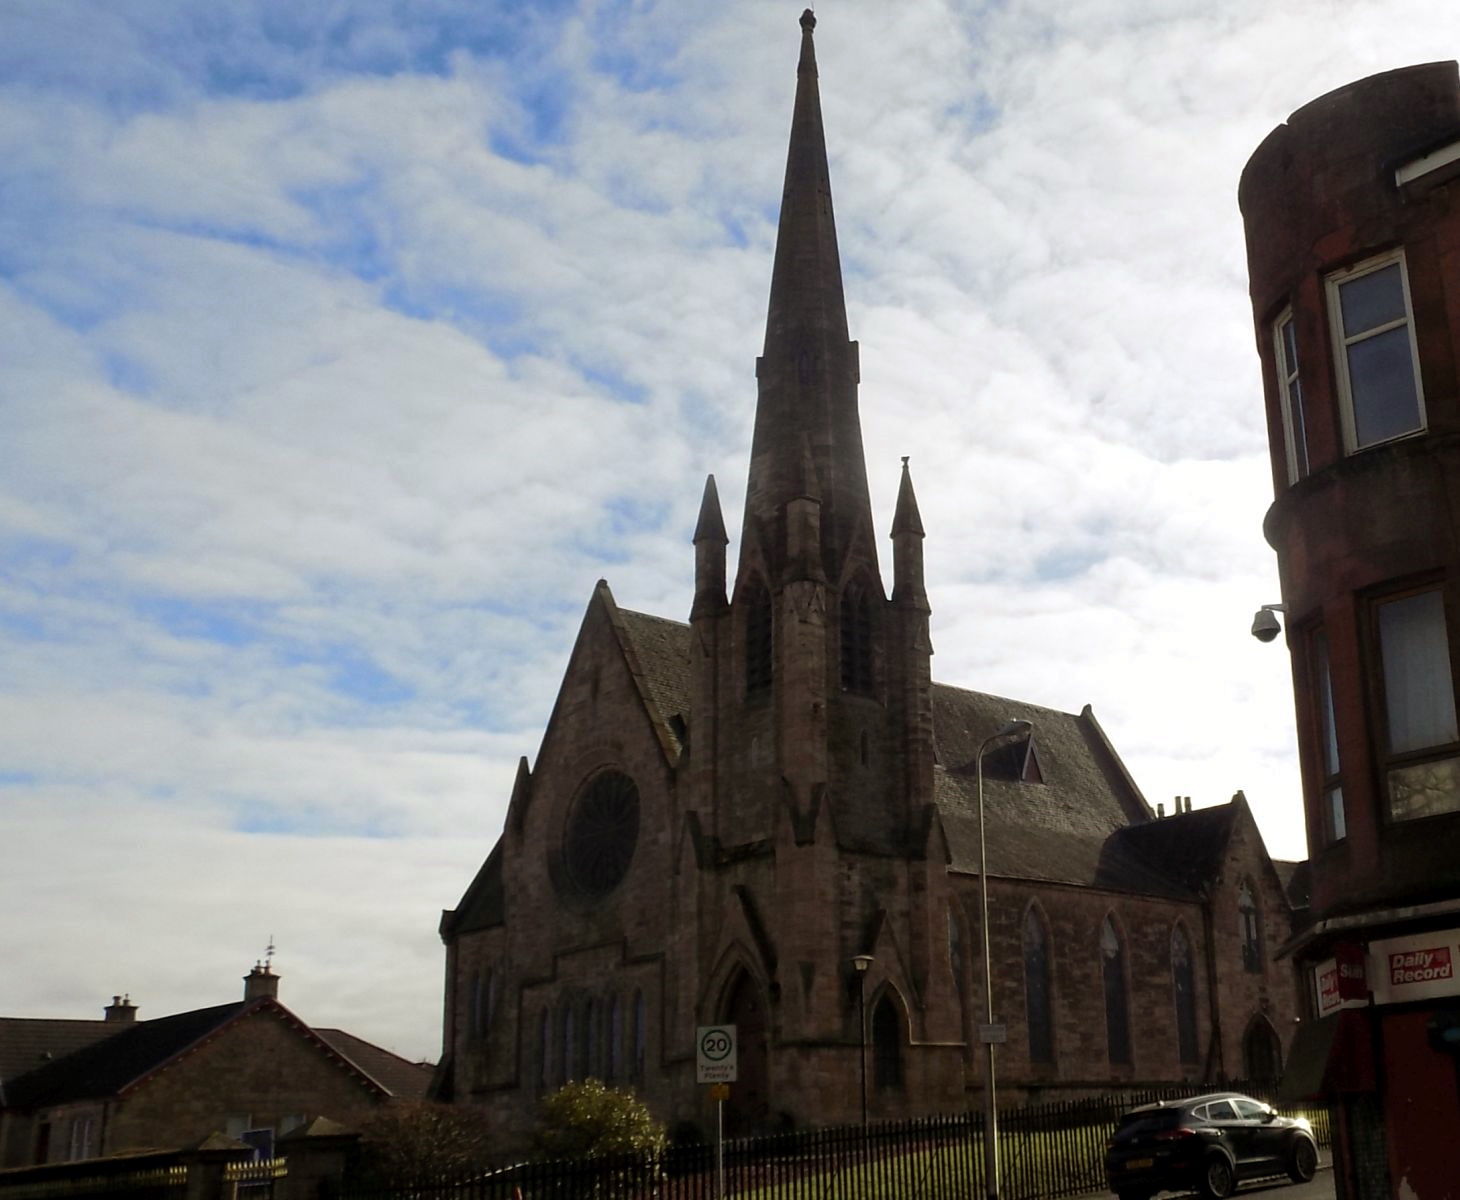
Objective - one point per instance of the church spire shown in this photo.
(806, 281)
(807, 375)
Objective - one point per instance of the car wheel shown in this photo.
(1302, 1160)
(1218, 1180)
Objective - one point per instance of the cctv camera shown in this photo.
(1265, 625)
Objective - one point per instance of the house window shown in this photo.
(545, 1048)
(1183, 986)
(1335, 827)
(1423, 761)
(1378, 365)
(886, 1046)
(83, 1137)
(1249, 924)
(759, 645)
(856, 634)
(1112, 972)
(1290, 393)
(262, 1141)
(1039, 1015)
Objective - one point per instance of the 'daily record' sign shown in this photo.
(1420, 966)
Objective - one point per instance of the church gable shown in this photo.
(622, 662)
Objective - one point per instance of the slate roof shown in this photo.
(1297, 881)
(112, 1065)
(1188, 847)
(106, 1067)
(27, 1043)
(662, 649)
(402, 1078)
(1056, 830)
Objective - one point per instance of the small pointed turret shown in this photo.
(710, 542)
(807, 375)
(907, 546)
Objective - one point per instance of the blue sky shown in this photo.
(344, 346)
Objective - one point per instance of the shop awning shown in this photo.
(1330, 1056)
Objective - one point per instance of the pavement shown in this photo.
(1320, 1187)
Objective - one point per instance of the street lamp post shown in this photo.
(860, 963)
(989, 1032)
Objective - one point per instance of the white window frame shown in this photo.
(1439, 754)
(1341, 342)
(1290, 398)
(1335, 822)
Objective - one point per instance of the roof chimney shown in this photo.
(121, 1011)
(260, 982)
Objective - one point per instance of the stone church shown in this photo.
(727, 818)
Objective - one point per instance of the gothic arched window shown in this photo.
(615, 1039)
(474, 1006)
(759, 641)
(1250, 926)
(886, 1045)
(856, 630)
(591, 1032)
(638, 1049)
(569, 1042)
(957, 959)
(1183, 986)
(1039, 1013)
(1112, 974)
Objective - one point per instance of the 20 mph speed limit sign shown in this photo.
(715, 1054)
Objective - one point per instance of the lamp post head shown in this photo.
(1009, 729)
(861, 962)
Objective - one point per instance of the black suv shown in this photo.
(1208, 1143)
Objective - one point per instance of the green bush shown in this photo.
(588, 1118)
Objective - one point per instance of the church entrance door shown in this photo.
(748, 1108)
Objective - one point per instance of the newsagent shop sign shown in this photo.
(1342, 980)
(1421, 966)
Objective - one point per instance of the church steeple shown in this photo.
(807, 375)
